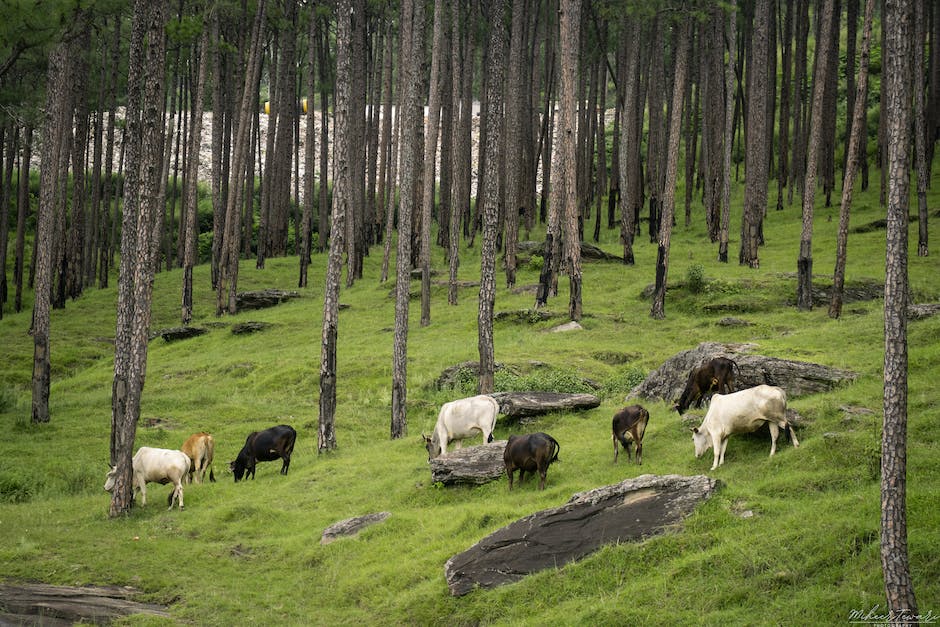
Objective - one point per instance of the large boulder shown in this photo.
(796, 377)
(632, 510)
(473, 465)
(42, 604)
(521, 404)
(261, 299)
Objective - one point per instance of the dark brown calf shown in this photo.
(628, 427)
(529, 453)
(717, 375)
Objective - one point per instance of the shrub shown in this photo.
(695, 278)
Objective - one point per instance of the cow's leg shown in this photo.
(774, 433)
(639, 453)
(286, 464)
(509, 471)
(718, 450)
(542, 473)
(796, 443)
(143, 492)
(458, 444)
(616, 448)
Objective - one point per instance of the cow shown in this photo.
(742, 412)
(264, 446)
(717, 374)
(156, 465)
(200, 447)
(628, 427)
(460, 419)
(531, 452)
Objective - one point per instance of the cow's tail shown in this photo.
(557, 449)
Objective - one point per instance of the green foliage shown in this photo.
(695, 278)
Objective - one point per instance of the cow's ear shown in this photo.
(694, 429)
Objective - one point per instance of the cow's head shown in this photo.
(433, 445)
(701, 441)
(238, 469)
(109, 481)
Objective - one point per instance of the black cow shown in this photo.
(264, 446)
(715, 376)
(531, 452)
(628, 426)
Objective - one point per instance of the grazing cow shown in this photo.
(459, 419)
(717, 375)
(628, 426)
(156, 465)
(742, 412)
(264, 446)
(200, 447)
(531, 452)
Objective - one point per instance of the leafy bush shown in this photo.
(622, 382)
(695, 278)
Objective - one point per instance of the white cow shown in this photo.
(742, 412)
(461, 419)
(156, 465)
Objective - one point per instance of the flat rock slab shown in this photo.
(474, 465)
(263, 298)
(351, 526)
(40, 604)
(632, 510)
(180, 333)
(521, 404)
(796, 377)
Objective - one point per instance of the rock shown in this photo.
(588, 251)
(634, 509)
(250, 327)
(180, 333)
(734, 322)
(568, 326)
(528, 316)
(796, 377)
(263, 298)
(919, 312)
(454, 376)
(35, 604)
(351, 526)
(519, 404)
(474, 465)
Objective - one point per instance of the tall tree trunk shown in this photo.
(22, 209)
(725, 227)
(565, 165)
(191, 201)
(494, 106)
(804, 262)
(323, 65)
(658, 311)
(630, 169)
(430, 158)
(231, 245)
(516, 98)
(458, 194)
(144, 169)
(7, 161)
(920, 124)
(798, 165)
(326, 433)
(56, 126)
(413, 29)
(896, 95)
(851, 167)
(783, 157)
(757, 154)
(306, 229)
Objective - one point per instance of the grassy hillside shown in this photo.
(249, 553)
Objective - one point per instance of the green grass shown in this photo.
(249, 553)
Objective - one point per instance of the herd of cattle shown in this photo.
(729, 413)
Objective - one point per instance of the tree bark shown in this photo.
(896, 95)
(494, 106)
(516, 98)
(804, 262)
(851, 167)
(326, 428)
(144, 170)
(413, 29)
(920, 124)
(566, 162)
(725, 227)
(658, 309)
(191, 199)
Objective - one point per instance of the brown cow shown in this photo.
(531, 452)
(715, 376)
(628, 426)
(200, 448)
